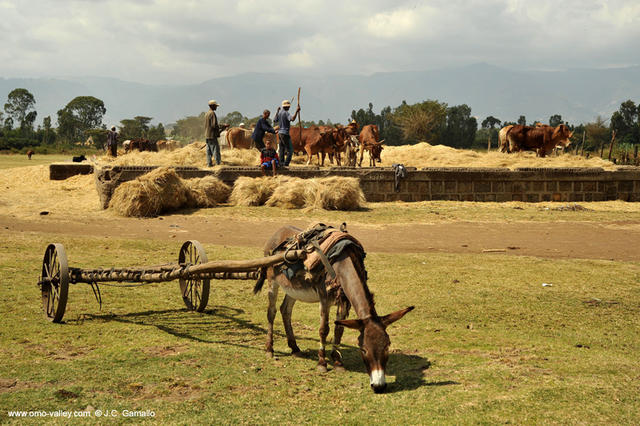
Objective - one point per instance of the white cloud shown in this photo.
(189, 41)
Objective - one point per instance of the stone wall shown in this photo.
(458, 184)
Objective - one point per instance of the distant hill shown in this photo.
(579, 95)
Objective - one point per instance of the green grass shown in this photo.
(485, 344)
(8, 161)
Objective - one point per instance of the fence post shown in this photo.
(613, 140)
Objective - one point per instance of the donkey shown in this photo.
(348, 289)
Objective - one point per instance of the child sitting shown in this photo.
(269, 158)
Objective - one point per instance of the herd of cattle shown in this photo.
(541, 138)
(347, 144)
(342, 143)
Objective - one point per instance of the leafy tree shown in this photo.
(99, 137)
(597, 134)
(522, 120)
(20, 103)
(156, 133)
(625, 123)
(234, 119)
(555, 120)
(190, 128)
(423, 121)
(48, 132)
(130, 129)
(461, 127)
(144, 124)
(490, 122)
(81, 114)
(29, 119)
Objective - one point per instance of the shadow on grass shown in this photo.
(222, 321)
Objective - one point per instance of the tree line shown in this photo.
(430, 121)
(78, 122)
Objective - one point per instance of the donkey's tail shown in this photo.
(260, 282)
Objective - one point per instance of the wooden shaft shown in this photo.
(613, 140)
(221, 269)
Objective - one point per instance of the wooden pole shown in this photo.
(613, 141)
(489, 142)
(584, 134)
(602, 150)
(299, 119)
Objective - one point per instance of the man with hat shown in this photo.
(284, 119)
(112, 141)
(212, 133)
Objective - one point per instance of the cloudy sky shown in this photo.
(156, 41)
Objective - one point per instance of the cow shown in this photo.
(503, 143)
(351, 151)
(143, 145)
(314, 141)
(79, 159)
(170, 145)
(239, 138)
(30, 153)
(369, 142)
(540, 139)
(126, 145)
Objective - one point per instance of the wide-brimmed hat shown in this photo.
(286, 103)
(212, 102)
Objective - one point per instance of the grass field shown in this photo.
(487, 343)
(9, 161)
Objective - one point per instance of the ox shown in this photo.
(541, 139)
(369, 142)
(143, 145)
(169, 145)
(239, 138)
(314, 141)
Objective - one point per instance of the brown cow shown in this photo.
(314, 141)
(540, 139)
(30, 153)
(239, 138)
(369, 142)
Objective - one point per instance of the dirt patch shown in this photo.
(162, 351)
(565, 240)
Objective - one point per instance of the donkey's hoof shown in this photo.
(321, 368)
(339, 368)
(297, 354)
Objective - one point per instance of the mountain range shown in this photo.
(578, 95)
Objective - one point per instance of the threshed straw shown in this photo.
(334, 193)
(158, 191)
(252, 191)
(290, 194)
(208, 191)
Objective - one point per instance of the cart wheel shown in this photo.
(195, 292)
(54, 282)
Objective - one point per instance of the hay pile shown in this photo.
(208, 191)
(162, 190)
(425, 155)
(332, 193)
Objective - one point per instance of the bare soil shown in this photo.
(580, 240)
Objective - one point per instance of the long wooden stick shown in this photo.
(299, 120)
(613, 141)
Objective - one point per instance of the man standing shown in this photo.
(112, 141)
(262, 127)
(212, 133)
(284, 119)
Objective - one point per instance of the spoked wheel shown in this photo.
(54, 282)
(195, 292)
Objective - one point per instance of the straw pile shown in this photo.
(208, 191)
(253, 191)
(332, 193)
(158, 191)
(162, 190)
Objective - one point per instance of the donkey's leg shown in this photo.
(271, 314)
(342, 312)
(324, 332)
(285, 309)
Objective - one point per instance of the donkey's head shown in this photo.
(374, 344)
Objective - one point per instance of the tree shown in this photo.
(490, 122)
(20, 104)
(461, 127)
(156, 133)
(190, 128)
(144, 124)
(81, 114)
(555, 120)
(49, 135)
(625, 122)
(522, 120)
(597, 134)
(234, 119)
(423, 121)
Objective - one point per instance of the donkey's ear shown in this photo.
(395, 316)
(356, 324)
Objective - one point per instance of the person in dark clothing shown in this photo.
(112, 141)
(269, 159)
(262, 127)
(284, 119)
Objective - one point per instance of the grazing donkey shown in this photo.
(348, 288)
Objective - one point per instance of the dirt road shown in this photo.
(579, 240)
